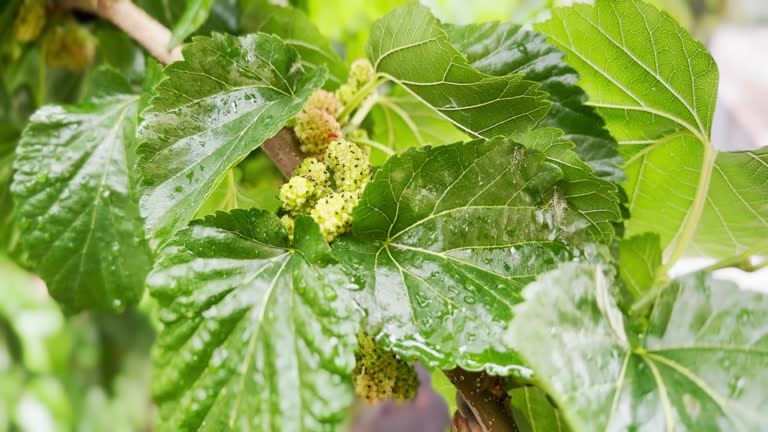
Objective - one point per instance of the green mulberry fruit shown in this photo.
(314, 170)
(360, 73)
(69, 46)
(324, 101)
(298, 194)
(289, 223)
(30, 20)
(334, 214)
(380, 375)
(350, 166)
(315, 129)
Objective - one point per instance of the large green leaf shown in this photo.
(500, 49)
(595, 199)
(195, 14)
(656, 87)
(445, 237)
(77, 204)
(258, 335)
(700, 365)
(226, 98)
(409, 46)
(298, 31)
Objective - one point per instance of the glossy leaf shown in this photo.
(296, 29)
(195, 14)
(409, 46)
(594, 199)
(639, 262)
(656, 86)
(401, 121)
(500, 49)
(77, 205)
(444, 238)
(258, 335)
(700, 365)
(223, 101)
(533, 412)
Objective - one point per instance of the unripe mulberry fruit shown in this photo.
(289, 223)
(314, 170)
(30, 20)
(315, 129)
(334, 214)
(381, 375)
(360, 72)
(69, 46)
(297, 194)
(350, 166)
(324, 101)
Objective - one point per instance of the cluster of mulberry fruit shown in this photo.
(328, 184)
(317, 125)
(330, 204)
(381, 375)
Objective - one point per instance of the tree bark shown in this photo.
(486, 400)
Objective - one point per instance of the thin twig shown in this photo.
(139, 25)
(479, 391)
(283, 150)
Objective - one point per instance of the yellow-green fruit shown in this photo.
(289, 223)
(380, 375)
(314, 170)
(360, 73)
(315, 129)
(350, 166)
(334, 214)
(30, 20)
(297, 194)
(69, 46)
(324, 101)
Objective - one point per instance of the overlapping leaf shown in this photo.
(298, 31)
(640, 261)
(409, 46)
(258, 335)
(444, 238)
(227, 97)
(500, 49)
(77, 204)
(699, 366)
(656, 86)
(401, 121)
(595, 199)
(533, 412)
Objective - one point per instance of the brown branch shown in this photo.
(283, 150)
(485, 398)
(144, 29)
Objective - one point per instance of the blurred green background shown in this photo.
(92, 372)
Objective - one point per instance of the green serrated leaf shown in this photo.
(76, 202)
(656, 87)
(699, 366)
(298, 31)
(640, 261)
(409, 46)
(444, 238)
(195, 14)
(223, 101)
(258, 335)
(533, 412)
(500, 49)
(594, 199)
